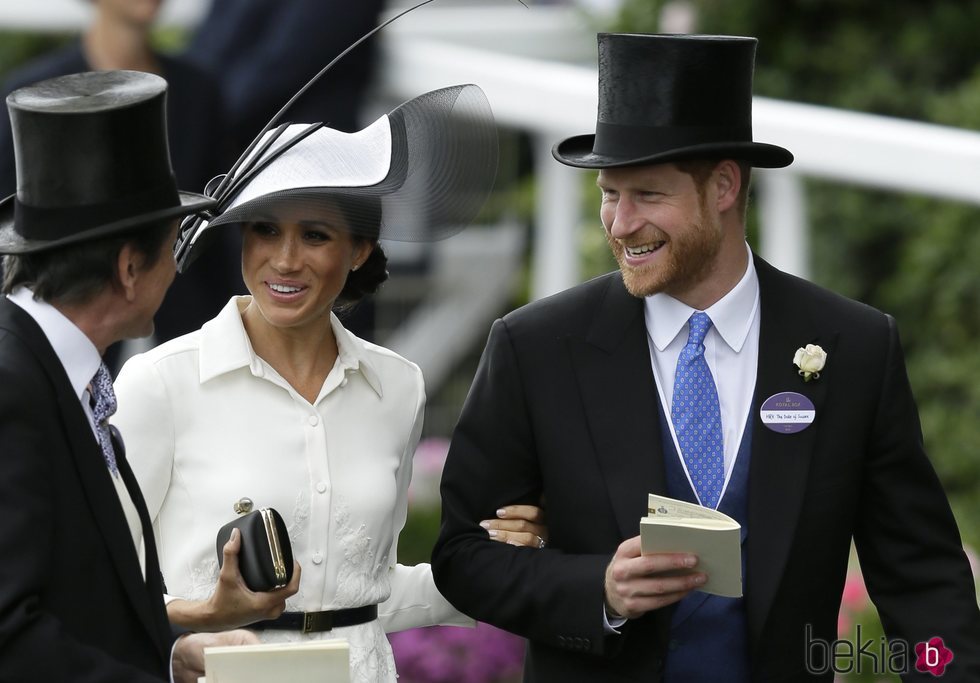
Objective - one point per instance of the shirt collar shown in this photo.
(731, 315)
(225, 346)
(74, 349)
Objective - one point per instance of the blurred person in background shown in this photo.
(263, 51)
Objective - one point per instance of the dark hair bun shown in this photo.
(366, 279)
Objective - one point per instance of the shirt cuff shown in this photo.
(610, 624)
(172, 648)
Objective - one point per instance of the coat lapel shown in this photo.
(612, 365)
(154, 579)
(90, 466)
(780, 462)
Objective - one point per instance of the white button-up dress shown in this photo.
(207, 422)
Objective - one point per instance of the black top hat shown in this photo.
(669, 98)
(92, 161)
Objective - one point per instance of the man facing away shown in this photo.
(88, 243)
(655, 379)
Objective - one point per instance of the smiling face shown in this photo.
(295, 266)
(660, 229)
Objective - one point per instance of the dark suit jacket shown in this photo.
(264, 51)
(73, 603)
(564, 406)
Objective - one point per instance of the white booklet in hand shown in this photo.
(305, 662)
(674, 526)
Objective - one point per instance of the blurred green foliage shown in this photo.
(17, 47)
(419, 534)
(911, 256)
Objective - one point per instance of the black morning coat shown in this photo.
(73, 602)
(564, 406)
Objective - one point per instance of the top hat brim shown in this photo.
(12, 242)
(578, 151)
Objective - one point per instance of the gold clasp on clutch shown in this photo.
(243, 506)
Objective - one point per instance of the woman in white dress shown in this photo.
(275, 401)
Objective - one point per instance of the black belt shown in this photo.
(310, 622)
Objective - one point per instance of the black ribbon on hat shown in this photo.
(624, 140)
(48, 223)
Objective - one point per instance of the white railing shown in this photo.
(551, 100)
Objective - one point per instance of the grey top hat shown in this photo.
(669, 98)
(92, 161)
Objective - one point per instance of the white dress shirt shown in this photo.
(208, 422)
(732, 343)
(731, 349)
(81, 361)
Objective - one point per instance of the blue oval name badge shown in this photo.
(787, 412)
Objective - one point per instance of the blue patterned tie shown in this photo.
(103, 406)
(697, 416)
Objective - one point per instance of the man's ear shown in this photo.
(128, 266)
(727, 179)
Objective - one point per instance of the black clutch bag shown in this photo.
(266, 557)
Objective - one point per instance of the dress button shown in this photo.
(317, 558)
(321, 487)
(314, 420)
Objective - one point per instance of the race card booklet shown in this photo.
(674, 526)
(310, 661)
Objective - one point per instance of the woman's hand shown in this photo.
(233, 604)
(518, 525)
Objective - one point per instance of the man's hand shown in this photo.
(188, 662)
(518, 525)
(637, 584)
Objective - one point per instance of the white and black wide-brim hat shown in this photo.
(670, 98)
(420, 173)
(92, 161)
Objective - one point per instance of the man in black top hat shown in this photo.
(88, 244)
(699, 372)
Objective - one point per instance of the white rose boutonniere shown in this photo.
(810, 359)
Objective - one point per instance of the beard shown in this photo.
(687, 261)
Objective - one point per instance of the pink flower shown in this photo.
(855, 596)
(449, 654)
(430, 455)
(844, 624)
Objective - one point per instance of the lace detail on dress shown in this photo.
(301, 516)
(203, 579)
(360, 580)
